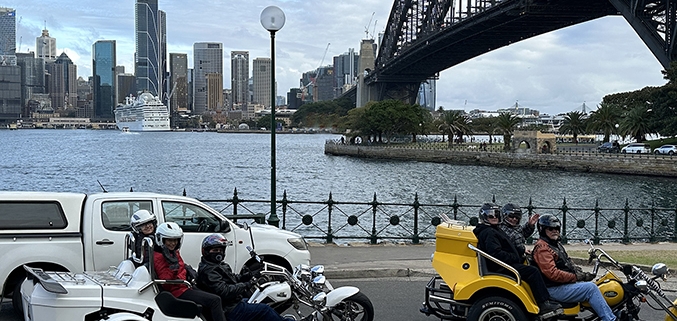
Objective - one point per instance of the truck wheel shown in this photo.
(496, 308)
(16, 299)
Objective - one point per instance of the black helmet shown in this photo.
(547, 220)
(512, 210)
(489, 209)
(214, 241)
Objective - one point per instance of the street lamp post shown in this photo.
(272, 19)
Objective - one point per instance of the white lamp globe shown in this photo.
(272, 18)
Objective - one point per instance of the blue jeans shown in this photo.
(244, 311)
(581, 292)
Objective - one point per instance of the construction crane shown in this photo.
(312, 81)
(366, 28)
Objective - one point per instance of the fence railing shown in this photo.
(331, 219)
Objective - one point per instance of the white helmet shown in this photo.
(141, 217)
(168, 230)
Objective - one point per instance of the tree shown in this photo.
(604, 119)
(635, 124)
(574, 124)
(506, 124)
(484, 125)
(263, 122)
(454, 123)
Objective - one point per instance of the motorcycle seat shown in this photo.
(484, 270)
(172, 306)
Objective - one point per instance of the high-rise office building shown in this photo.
(125, 86)
(32, 77)
(261, 81)
(163, 72)
(45, 46)
(207, 59)
(214, 91)
(147, 65)
(239, 80)
(345, 71)
(324, 84)
(62, 82)
(178, 83)
(7, 34)
(103, 72)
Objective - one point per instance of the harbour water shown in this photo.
(211, 165)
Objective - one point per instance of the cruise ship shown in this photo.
(143, 114)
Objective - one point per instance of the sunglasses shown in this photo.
(517, 216)
(552, 229)
(493, 214)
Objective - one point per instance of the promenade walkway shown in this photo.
(359, 260)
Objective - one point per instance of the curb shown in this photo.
(378, 273)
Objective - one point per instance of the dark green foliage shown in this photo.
(322, 114)
(387, 119)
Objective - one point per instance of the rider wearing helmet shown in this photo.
(561, 274)
(170, 266)
(143, 224)
(511, 215)
(216, 276)
(492, 240)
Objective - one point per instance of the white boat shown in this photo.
(143, 114)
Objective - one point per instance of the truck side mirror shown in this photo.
(224, 227)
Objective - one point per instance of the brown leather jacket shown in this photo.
(554, 263)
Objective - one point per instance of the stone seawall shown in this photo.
(647, 164)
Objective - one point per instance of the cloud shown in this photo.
(555, 72)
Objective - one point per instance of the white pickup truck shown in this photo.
(79, 232)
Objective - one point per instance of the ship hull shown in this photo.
(144, 114)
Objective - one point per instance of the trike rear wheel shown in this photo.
(496, 308)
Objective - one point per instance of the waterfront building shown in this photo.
(345, 71)
(207, 59)
(239, 70)
(85, 108)
(125, 85)
(214, 91)
(190, 75)
(178, 83)
(103, 72)
(294, 98)
(7, 34)
(427, 94)
(32, 78)
(45, 46)
(146, 62)
(61, 82)
(324, 84)
(163, 72)
(10, 92)
(261, 81)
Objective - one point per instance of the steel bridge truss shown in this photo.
(424, 37)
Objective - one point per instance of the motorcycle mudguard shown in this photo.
(673, 310)
(339, 294)
(124, 316)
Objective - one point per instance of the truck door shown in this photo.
(110, 225)
(196, 223)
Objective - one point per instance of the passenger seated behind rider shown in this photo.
(511, 215)
(216, 276)
(492, 240)
(561, 274)
(143, 224)
(170, 266)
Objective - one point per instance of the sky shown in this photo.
(554, 73)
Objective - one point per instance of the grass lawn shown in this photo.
(649, 258)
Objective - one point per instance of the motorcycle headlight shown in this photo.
(642, 286)
(298, 243)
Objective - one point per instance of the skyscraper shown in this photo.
(62, 82)
(239, 70)
(162, 60)
(261, 81)
(103, 71)
(7, 33)
(32, 77)
(207, 59)
(45, 46)
(147, 65)
(178, 84)
(345, 71)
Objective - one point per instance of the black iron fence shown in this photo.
(330, 220)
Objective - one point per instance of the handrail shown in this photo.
(497, 261)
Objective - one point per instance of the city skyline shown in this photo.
(554, 73)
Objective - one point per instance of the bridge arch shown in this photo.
(536, 142)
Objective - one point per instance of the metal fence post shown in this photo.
(455, 206)
(652, 237)
(284, 210)
(235, 201)
(595, 239)
(530, 211)
(564, 209)
(416, 205)
(330, 205)
(374, 205)
(626, 211)
(674, 231)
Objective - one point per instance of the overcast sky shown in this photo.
(553, 73)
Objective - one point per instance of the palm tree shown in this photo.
(604, 120)
(635, 124)
(454, 122)
(574, 124)
(506, 124)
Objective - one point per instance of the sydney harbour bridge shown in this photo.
(425, 37)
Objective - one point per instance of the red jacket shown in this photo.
(163, 272)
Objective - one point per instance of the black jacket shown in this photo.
(492, 240)
(218, 278)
